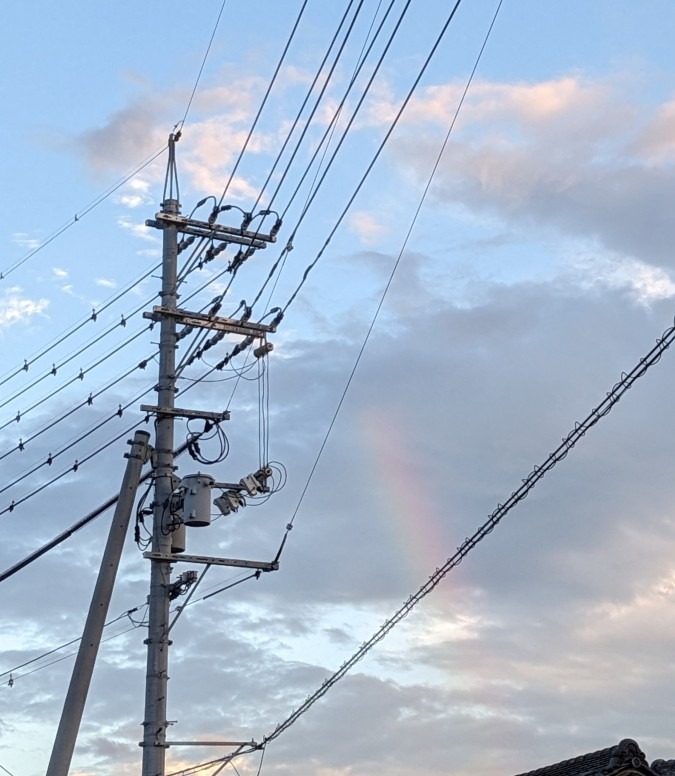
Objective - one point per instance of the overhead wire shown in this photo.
(70, 470)
(376, 156)
(70, 654)
(324, 143)
(309, 119)
(338, 110)
(96, 312)
(538, 472)
(81, 213)
(125, 318)
(64, 416)
(87, 402)
(74, 441)
(79, 524)
(81, 374)
(328, 134)
(394, 269)
(181, 123)
(264, 101)
(74, 379)
(53, 651)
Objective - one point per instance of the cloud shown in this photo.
(23, 240)
(15, 307)
(567, 155)
(106, 283)
(59, 273)
(129, 136)
(136, 192)
(137, 229)
(368, 229)
(512, 661)
(646, 283)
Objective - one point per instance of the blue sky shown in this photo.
(540, 268)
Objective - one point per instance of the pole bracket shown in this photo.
(177, 412)
(205, 321)
(204, 559)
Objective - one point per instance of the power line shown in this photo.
(264, 101)
(81, 213)
(70, 470)
(81, 523)
(568, 442)
(180, 124)
(385, 291)
(331, 125)
(93, 317)
(376, 156)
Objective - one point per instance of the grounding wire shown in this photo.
(80, 214)
(264, 101)
(376, 156)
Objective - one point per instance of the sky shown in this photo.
(537, 272)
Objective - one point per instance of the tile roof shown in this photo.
(626, 755)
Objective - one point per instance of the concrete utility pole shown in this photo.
(73, 707)
(154, 732)
(188, 502)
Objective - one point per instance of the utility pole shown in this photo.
(154, 725)
(183, 503)
(73, 707)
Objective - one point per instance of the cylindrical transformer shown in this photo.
(197, 499)
(177, 539)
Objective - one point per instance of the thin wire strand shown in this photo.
(264, 101)
(394, 269)
(181, 123)
(376, 156)
(81, 213)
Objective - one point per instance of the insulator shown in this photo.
(263, 350)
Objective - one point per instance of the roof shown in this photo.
(626, 757)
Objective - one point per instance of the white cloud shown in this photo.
(15, 307)
(60, 273)
(558, 155)
(106, 283)
(136, 192)
(23, 240)
(137, 229)
(366, 226)
(646, 283)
